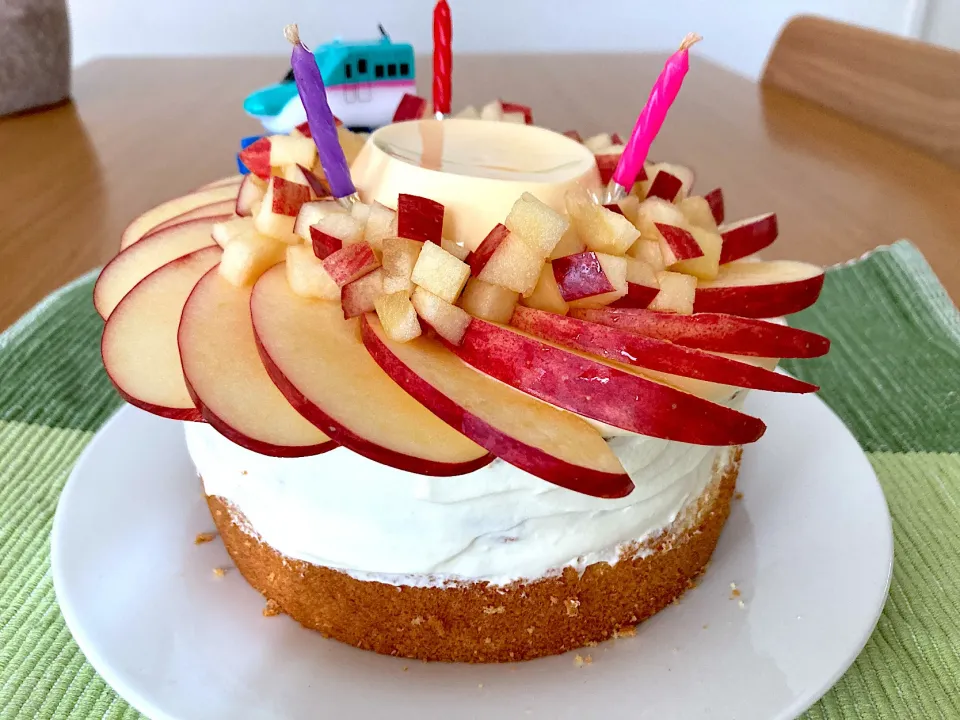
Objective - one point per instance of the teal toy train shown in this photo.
(365, 82)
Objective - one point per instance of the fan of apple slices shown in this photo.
(294, 324)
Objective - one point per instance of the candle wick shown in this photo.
(689, 41)
(292, 34)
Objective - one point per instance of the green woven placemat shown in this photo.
(893, 376)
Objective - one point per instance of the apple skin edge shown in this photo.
(654, 354)
(257, 446)
(759, 301)
(344, 436)
(508, 449)
(596, 390)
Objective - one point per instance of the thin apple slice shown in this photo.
(760, 289)
(217, 210)
(249, 195)
(714, 331)
(234, 180)
(132, 265)
(645, 352)
(554, 445)
(139, 344)
(318, 361)
(746, 237)
(600, 391)
(226, 377)
(170, 209)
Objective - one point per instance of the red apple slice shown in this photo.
(256, 157)
(760, 289)
(216, 211)
(748, 236)
(645, 352)
(665, 186)
(714, 199)
(419, 218)
(139, 344)
(555, 446)
(411, 107)
(227, 380)
(714, 331)
(580, 276)
(509, 107)
(139, 260)
(606, 165)
(319, 363)
(600, 391)
(171, 209)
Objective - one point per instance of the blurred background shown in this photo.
(739, 32)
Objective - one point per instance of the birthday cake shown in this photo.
(466, 389)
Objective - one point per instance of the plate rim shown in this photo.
(104, 669)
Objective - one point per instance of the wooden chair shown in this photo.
(902, 87)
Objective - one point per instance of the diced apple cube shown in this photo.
(399, 258)
(513, 117)
(311, 213)
(487, 301)
(479, 258)
(294, 174)
(676, 294)
(360, 296)
(677, 243)
(224, 232)
(306, 275)
(664, 186)
(279, 209)
(707, 265)
(246, 257)
(381, 223)
(570, 244)
(537, 224)
(648, 250)
(419, 218)
(630, 207)
(351, 262)
(657, 210)
(698, 213)
(642, 285)
(513, 265)
(398, 317)
(524, 110)
(336, 226)
(361, 213)
(596, 143)
(251, 191)
(395, 284)
(468, 113)
(492, 111)
(579, 276)
(290, 150)
(459, 251)
(607, 165)
(574, 135)
(615, 268)
(440, 272)
(411, 107)
(600, 229)
(546, 295)
(324, 245)
(449, 321)
(256, 158)
(681, 172)
(714, 199)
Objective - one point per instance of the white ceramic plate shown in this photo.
(809, 546)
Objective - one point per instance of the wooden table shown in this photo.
(142, 131)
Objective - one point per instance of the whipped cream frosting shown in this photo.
(497, 524)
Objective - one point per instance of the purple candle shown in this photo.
(322, 125)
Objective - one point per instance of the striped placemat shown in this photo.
(893, 375)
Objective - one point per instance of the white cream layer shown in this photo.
(497, 524)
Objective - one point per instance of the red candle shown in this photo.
(442, 57)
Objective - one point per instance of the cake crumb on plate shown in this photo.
(219, 572)
(204, 537)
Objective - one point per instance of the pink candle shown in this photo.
(651, 118)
